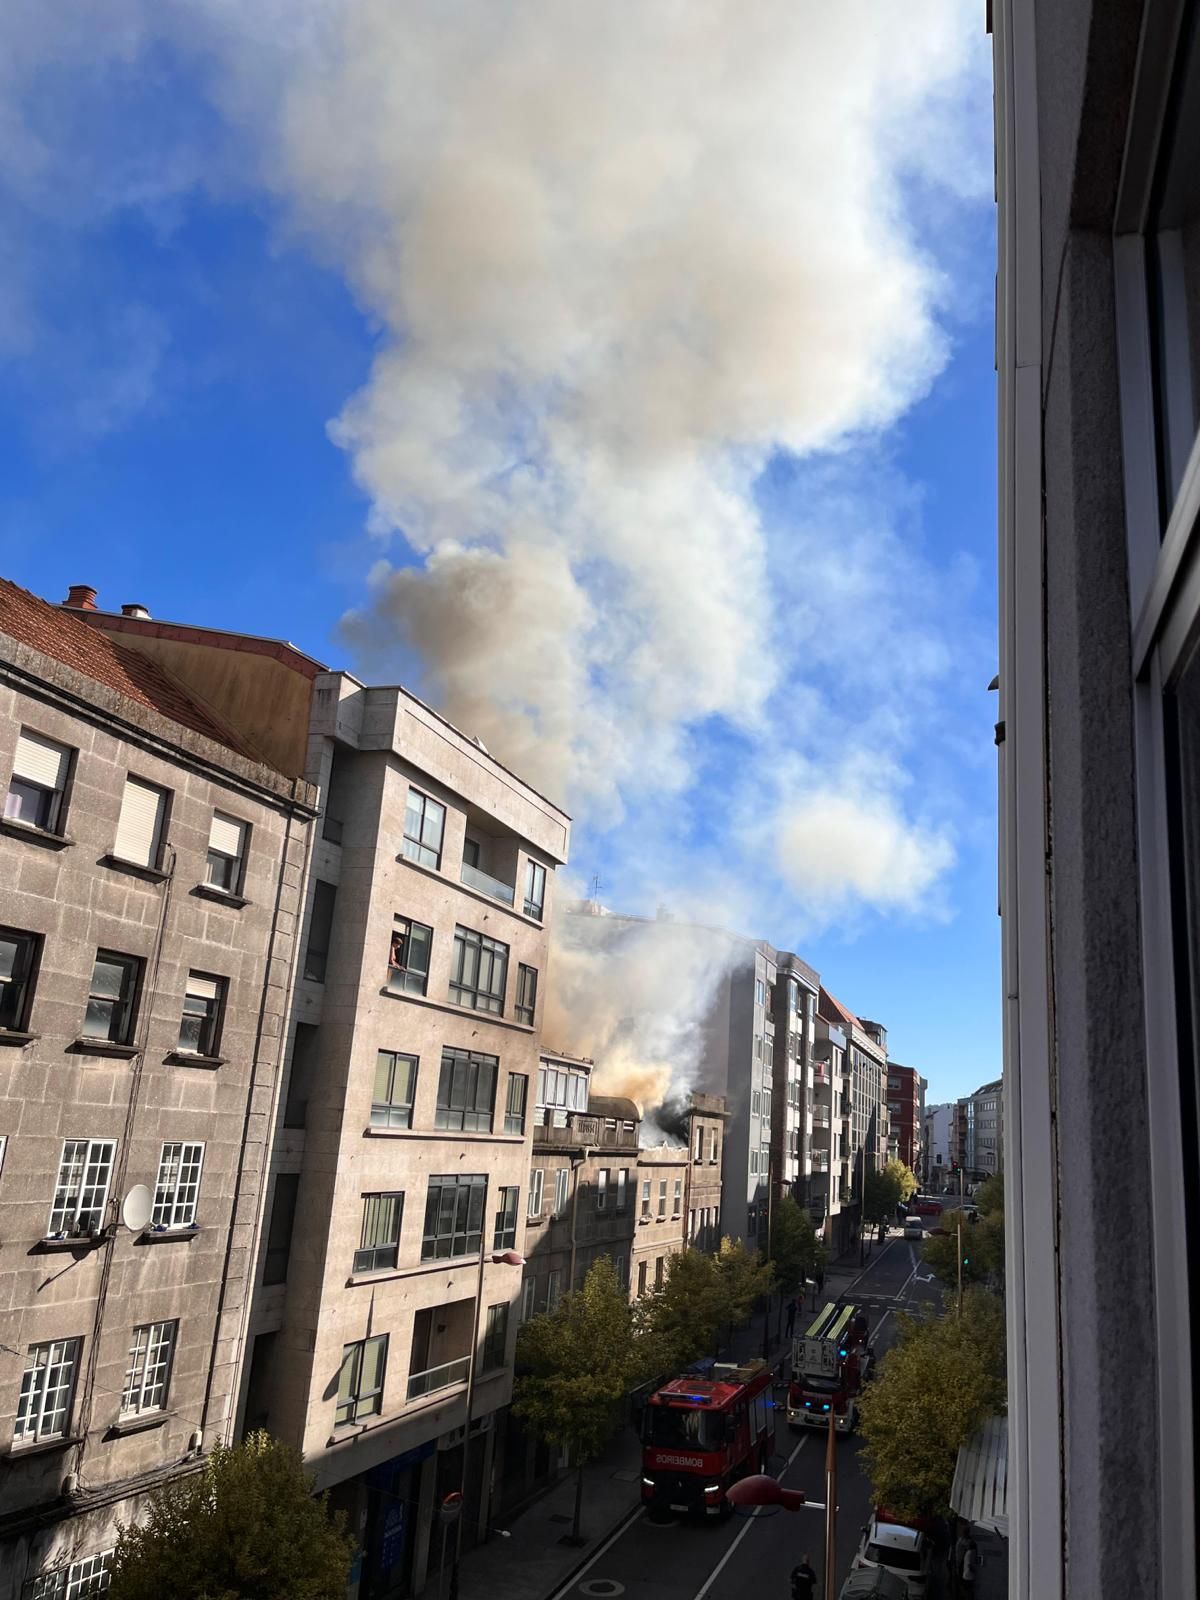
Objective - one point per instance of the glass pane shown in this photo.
(8, 957)
(107, 978)
(383, 1078)
(418, 948)
(98, 1019)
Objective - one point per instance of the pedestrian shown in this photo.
(791, 1318)
(804, 1581)
(820, 1279)
(969, 1570)
(958, 1556)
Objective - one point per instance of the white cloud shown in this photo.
(837, 847)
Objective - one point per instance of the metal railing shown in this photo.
(486, 884)
(435, 1378)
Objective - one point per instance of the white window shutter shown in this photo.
(40, 762)
(226, 835)
(202, 988)
(140, 823)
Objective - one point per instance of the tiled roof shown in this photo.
(834, 1011)
(103, 658)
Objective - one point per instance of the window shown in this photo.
(203, 1003)
(453, 1216)
(320, 930)
(562, 1183)
(754, 1162)
(149, 1370)
(141, 823)
(18, 957)
(505, 1235)
(699, 1144)
(360, 1382)
(479, 971)
(536, 1180)
(642, 1277)
(646, 1198)
(528, 1298)
(553, 1288)
(81, 1193)
(471, 853)
(712, 1152)
(279, 1230)
(226, 853)
(466, 1091)
(514, 1105)
(535, 889)
(662, 1197)
(424, 824)
(395, 1086)
(77, 1582)
(47, 1389)
(622, 1185)
(408, 958)
(755, 1103)
(526, 993)
(495, 1339)
(760, 992)
(602, 1189)
(621, 1268)
(178, 1186)
(678, 1196)
(560, 1088)
(111, 997)
(658, 1272)
(38, 783)
(379, 1245)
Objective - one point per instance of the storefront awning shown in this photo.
(980, 1491)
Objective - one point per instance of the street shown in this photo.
(755, 1554)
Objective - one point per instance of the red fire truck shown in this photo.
(700, 1434)
(830, 1364)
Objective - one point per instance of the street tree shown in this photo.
(982, 1246)
(938, 1384)
(795, 1249)
(989, 1197)
(678, 1323)
(575, 1366)
(881, 1196)
(246, 1525)
(905, 1178)
(744, 1277)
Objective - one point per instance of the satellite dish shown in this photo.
(136, 1208)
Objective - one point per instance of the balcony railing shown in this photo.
(486, 884)
(820, 1074)
(820, 1160)
(821, 1117)
(435, 1378)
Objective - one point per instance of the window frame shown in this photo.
(525, 1004)
(174, 1209)
(125, 1005)
(68, 1583)
(238, 875)
(471, 993)
(55, 796)
(622, 1190)
(495, 1333)
(383, 1112)
(474, 1072)
(514, 1115)
(360, 1403)
(373, 1257)
(602, 1189)
(403, 976)
(74, 1189)
(162, 821)
(412, 845)
(64, 1407)
(212, 1019)
(536, 1197)
(534, 898)
(155, 1356)
(463, 1187)
(562, 1191)
(507, 1217)
(25, 970)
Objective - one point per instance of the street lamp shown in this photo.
(761, 1490)
(498, 1258)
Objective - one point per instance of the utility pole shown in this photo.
(960, 1261)
(831, 1512)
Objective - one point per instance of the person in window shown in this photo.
(804, 1581)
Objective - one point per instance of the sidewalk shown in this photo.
(532, 1563)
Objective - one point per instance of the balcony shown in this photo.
(435, 1378)
(579, 1128)
(820, 1160)
(484, 883)
(820, 1116)
(820, 1073)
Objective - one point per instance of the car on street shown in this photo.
(925, 1205)
(873, 1583)
(905, 1552)
(914, 1228)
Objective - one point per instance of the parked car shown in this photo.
(925, 1205)
(905, 1552)
(914, 1228)
(873, 1583)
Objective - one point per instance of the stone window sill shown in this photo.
(188, 1058)
(455, 1011)
(442, 1133)
(14, 1037)
(124, 1425)
(136, 869)
(78, 1241)
(42, 1447)
(42, 836)
(105, 1047)
(220, 897)
(163, 1235)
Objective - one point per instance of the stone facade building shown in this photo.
(152, 864)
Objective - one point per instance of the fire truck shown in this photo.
(830, 1364)
(700, 1434)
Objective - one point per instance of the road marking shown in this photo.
(716, 1571)
(622, 1527)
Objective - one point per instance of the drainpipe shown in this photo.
(577, 1161)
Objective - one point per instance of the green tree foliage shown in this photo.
(744, 1278)
(245, 1527)
(982, 1250)
(795, 1249)
(881, 1196)
(905, 1178)
(678, 1323)
(937, 1385)
(989, 1197)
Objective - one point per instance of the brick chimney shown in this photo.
(81, 597)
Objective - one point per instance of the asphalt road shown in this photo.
(753, 1555)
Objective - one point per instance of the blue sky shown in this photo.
(635, 431)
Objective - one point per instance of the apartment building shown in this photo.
(937, 1155)
(794, 1115)
(1098, 351)
(856, 1054)
(904, 1099)
(982, 1118)
(152, 857)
